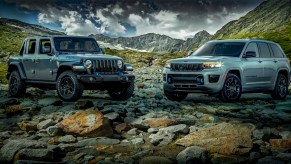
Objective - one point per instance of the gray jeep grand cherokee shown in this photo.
(68, 64)
(229, 68)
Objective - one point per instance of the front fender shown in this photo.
(16, 66)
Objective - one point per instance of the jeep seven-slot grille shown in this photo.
(186, 67)
(106, 66)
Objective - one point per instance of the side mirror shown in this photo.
(250, 54)
(46, 49)
(102, 50)
(189, 53)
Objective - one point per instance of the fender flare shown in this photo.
(19, 67)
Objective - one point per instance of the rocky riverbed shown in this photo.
(148, 128)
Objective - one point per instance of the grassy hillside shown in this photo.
(11, 40)
(280, 34)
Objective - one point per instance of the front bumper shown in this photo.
(193, 82)
(106, 78)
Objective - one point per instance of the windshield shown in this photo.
(232, 49)
(75, 44)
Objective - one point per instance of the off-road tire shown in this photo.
(281, 88)
(175, 96)
(232, 88)
(67, 82)
(17, 87)
(122, 93)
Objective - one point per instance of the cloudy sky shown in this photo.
(175, 18)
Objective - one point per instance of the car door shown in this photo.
(252, 69)
(270, 67)
(28, 58)
(43, 61)
(279, 59)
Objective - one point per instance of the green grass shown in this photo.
(3, 70)
(140, 59)
(280, 34)
(11, 40)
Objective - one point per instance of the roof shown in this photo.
(53, 36)
(242, 40)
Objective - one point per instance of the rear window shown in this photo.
(264, 50)
(277, 51)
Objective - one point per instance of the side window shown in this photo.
(31, 46)
(252, 47)
(277, 51)
(44, 46)
(264, 50)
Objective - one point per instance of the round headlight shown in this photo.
(119, 64)
(88, 64)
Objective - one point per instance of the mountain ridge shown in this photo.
(156, 42)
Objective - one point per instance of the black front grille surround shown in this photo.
(186, 67)
(185, 80)
(106, 66)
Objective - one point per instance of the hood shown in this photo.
(78, 57)
(201, 59)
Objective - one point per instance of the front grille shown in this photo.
(186, 67)
(106, 66)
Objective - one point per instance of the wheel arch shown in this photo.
(284, 72)
(236, 72)
(63, 68)
(16, 66)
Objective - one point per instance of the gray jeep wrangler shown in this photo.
(69, 64)
(229, 68)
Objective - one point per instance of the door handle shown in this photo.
(35, 60)
(275, 61)
(260, 61)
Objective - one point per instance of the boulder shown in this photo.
(282, 143)
(133, 131)
(155, 160)
(270, 160)
(48, 101)
(166, 135)
(137, 141)
(97, 141)
(122, 127)
(45, 124)
(192, 154)
(67, 139)
(13, 146)
(90, 123)
(54, 130)
(225, 138)
(35, 154)
(27, 125)
(112, 115)
(159, 122)
(84, 104)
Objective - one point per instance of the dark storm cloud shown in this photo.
(179, 19)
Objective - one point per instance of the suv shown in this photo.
(68, 64)
(229, 68)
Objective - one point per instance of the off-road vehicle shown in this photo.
(228, 68)
(68, 64)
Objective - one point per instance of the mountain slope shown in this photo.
(195, 42)
(13, 32)
(271, 20)
(28, 28)
(156, 43)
